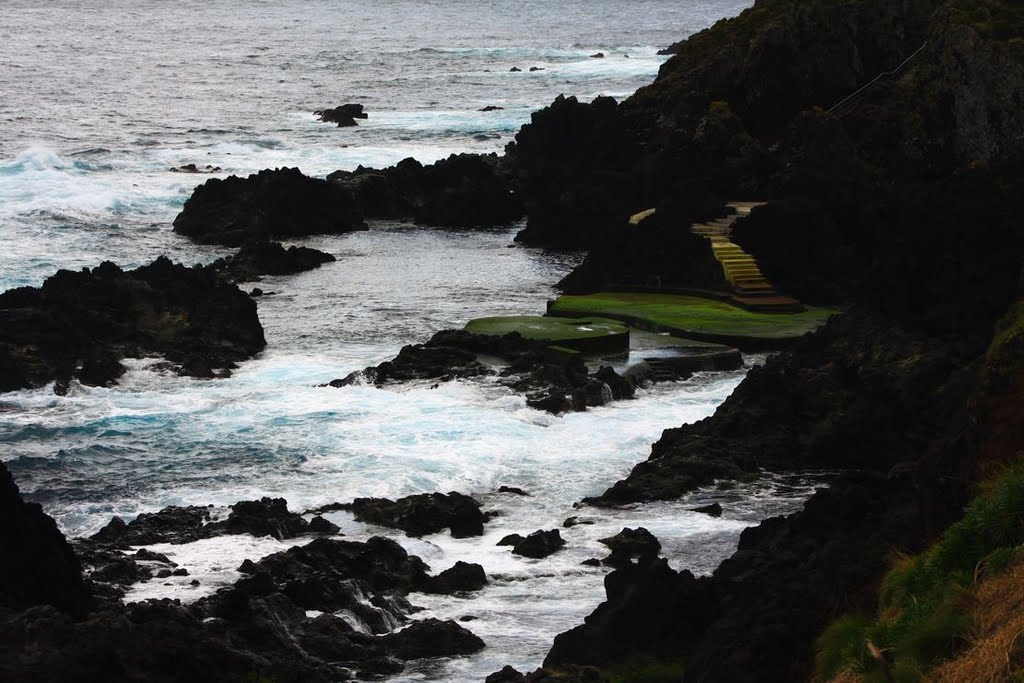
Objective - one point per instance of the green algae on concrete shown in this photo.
(587, 334)
(694, 317)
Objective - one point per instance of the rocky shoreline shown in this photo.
(901, 206)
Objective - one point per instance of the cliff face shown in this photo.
(39, 567)
(901, 204)
(706, 125)
(782, 57)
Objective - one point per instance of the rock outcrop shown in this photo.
(39, 566)
(272, 204)
(344, 115)
(422, 514)
(79, 324)
(51, 626)
(269, 258)
(553, 382)
(462, 191)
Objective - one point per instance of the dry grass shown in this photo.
(996, 652)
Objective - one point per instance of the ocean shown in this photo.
(99, 100)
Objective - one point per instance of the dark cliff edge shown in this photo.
(899, 205)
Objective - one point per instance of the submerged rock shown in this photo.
(419, 361)
(192, 168)
(269, 258)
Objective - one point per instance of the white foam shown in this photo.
(213, 562)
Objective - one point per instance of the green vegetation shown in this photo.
(925, 605)
(1005, 356)
(692, 316)
(587, 334)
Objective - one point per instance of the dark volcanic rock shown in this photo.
(94, 317)
(656, 254)
(564, 384)
(344, 115)
(860, 392)
(419, 361)
(555, 383)
(264, 517)
(458, 578)
(650, 609)
(319, 525)
(110, 566)
(506, 675)
(269, 258)
(539, 544)
(715, 510)
(432, 638)
(571, 163)
(100, 370)
(192, 168)
(253, 630)
(329, 575)
(511, 539)
(280, 203)
(39, 567)
(171, 525)
(514, 490)
(422, 514)
(462, 191)
(631, 544)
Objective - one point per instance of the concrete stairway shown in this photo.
(752, 290)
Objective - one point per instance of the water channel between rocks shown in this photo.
(158, 440)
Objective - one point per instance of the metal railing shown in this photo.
(885, 74)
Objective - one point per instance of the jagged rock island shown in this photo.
(833, 183)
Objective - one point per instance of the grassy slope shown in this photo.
(693, 314)
(926, 606)
(937, 608)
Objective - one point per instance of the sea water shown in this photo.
(98, 100)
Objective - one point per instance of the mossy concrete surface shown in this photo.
(694, 317)
(587, 334)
